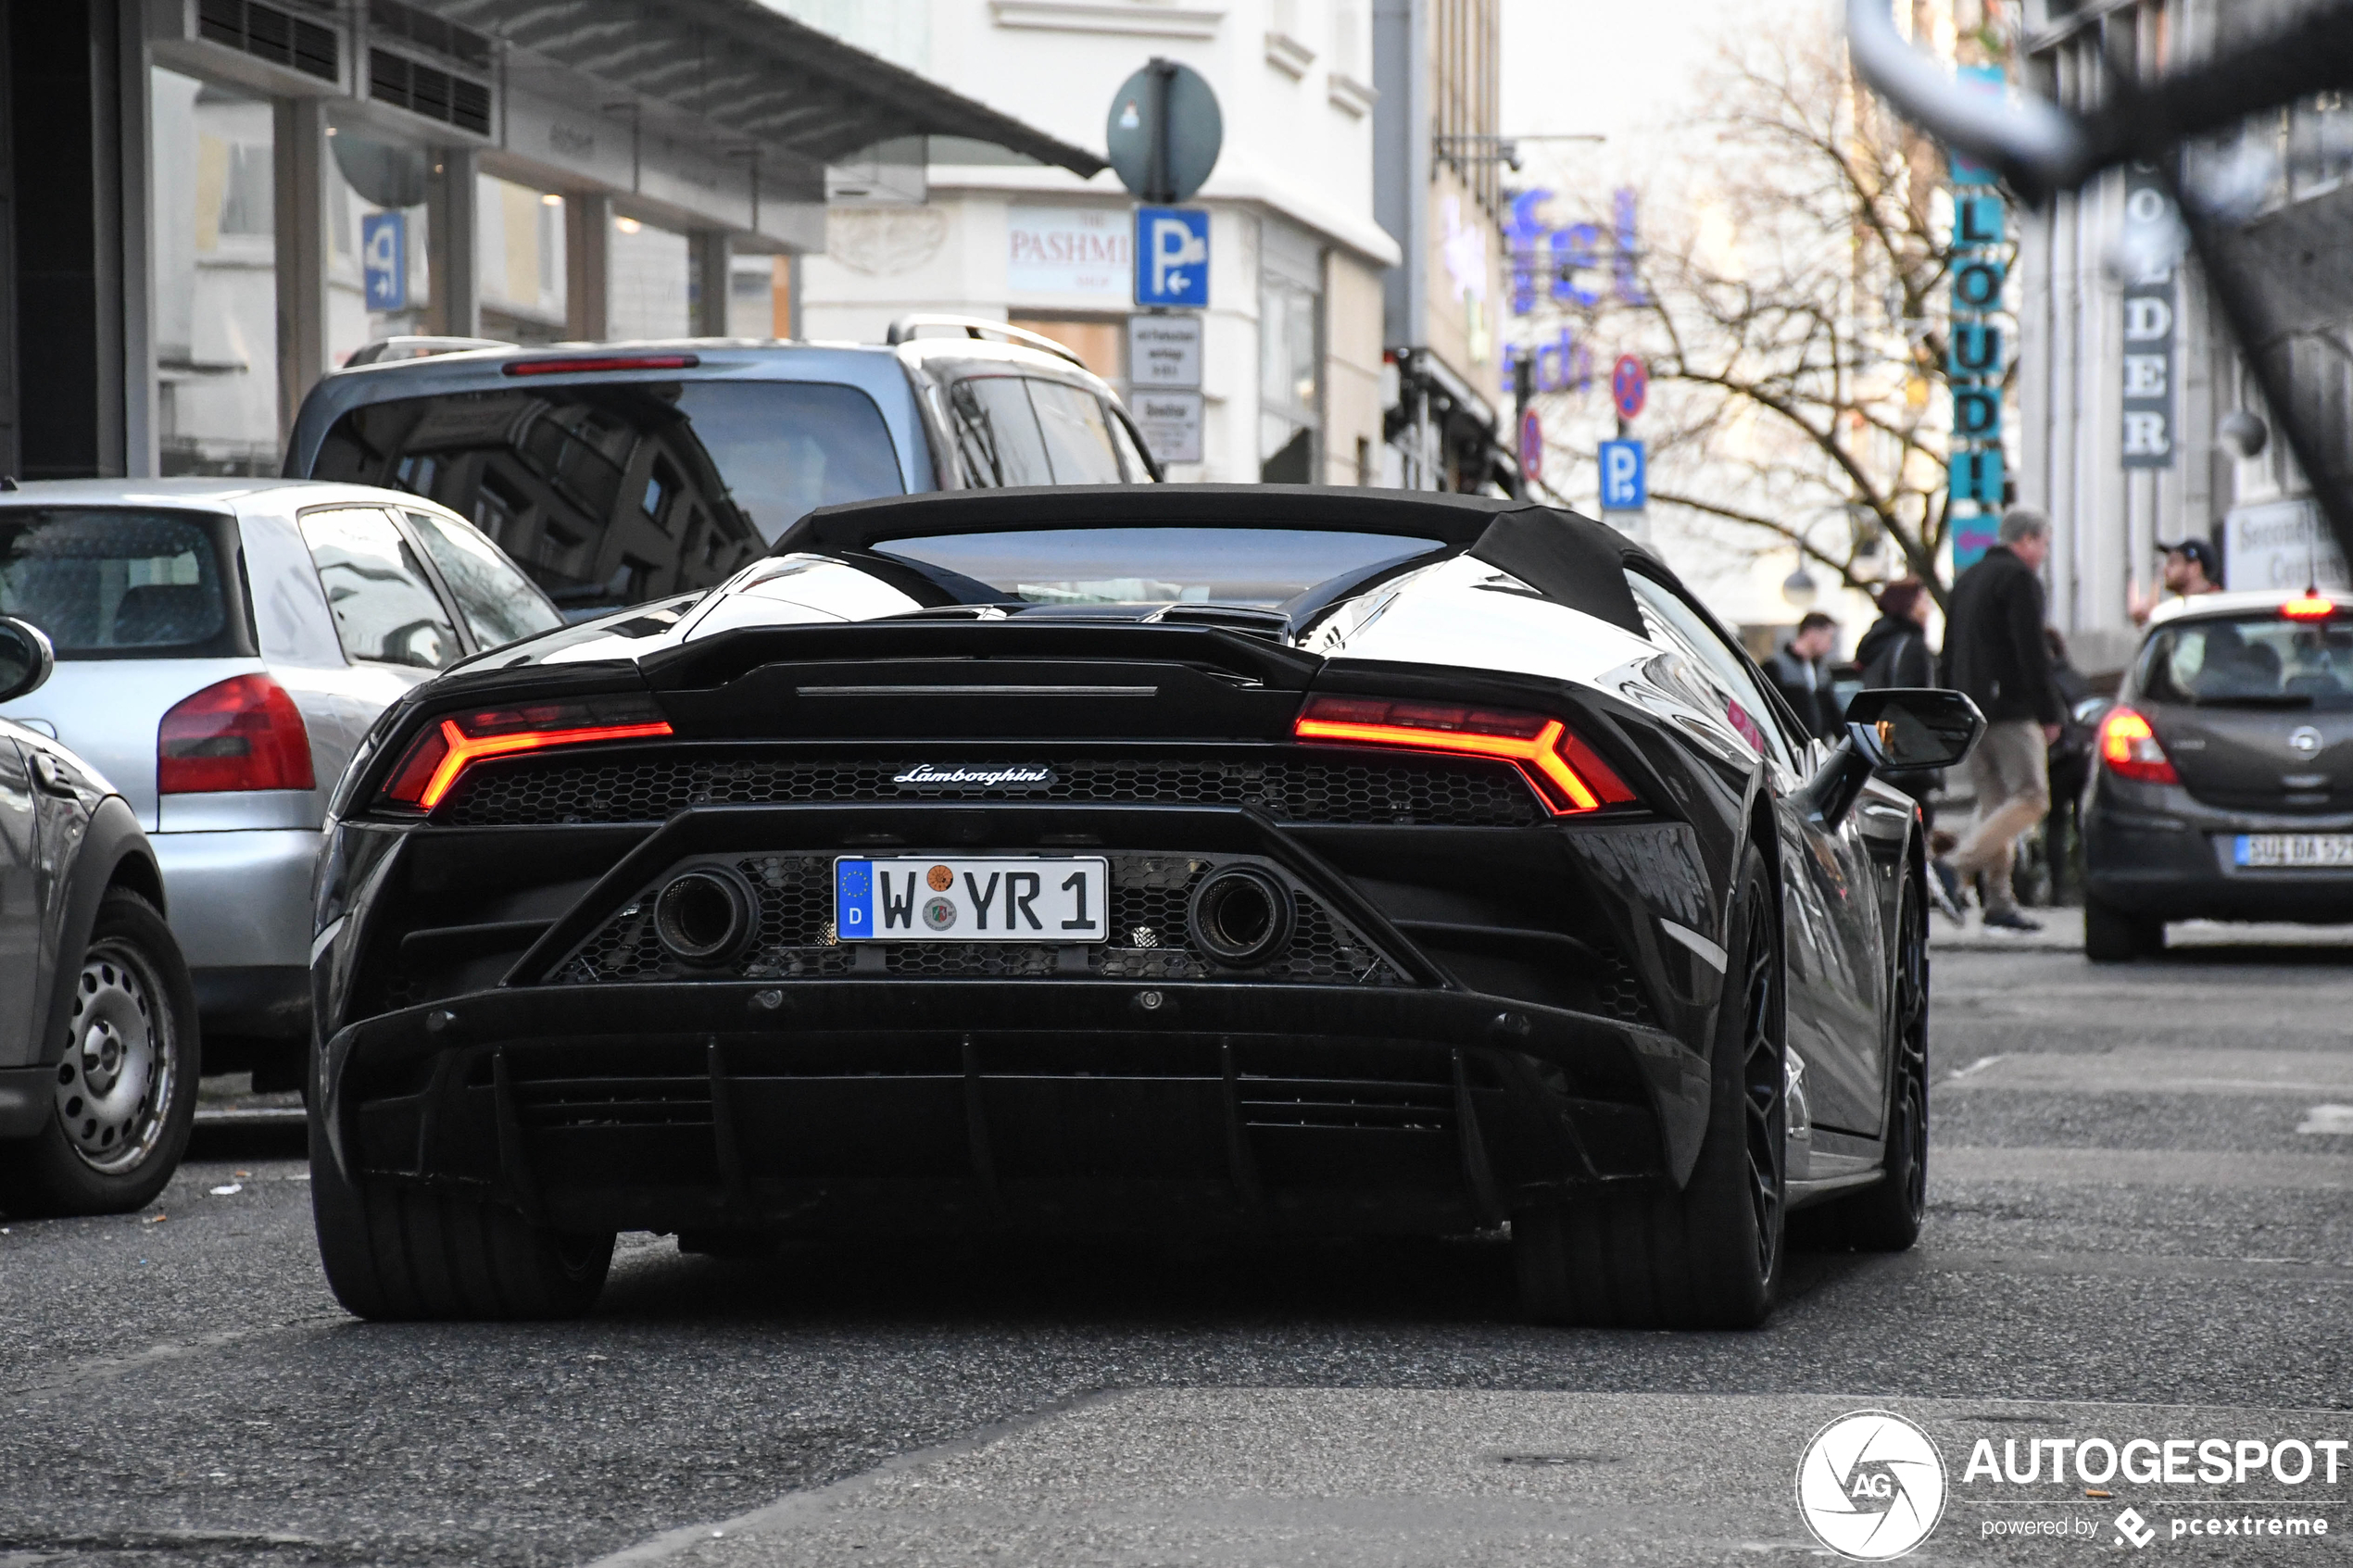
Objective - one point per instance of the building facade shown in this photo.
(1439, 159)
(2128, 379)
(1289, 362)
(208, 204)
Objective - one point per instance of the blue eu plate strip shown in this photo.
(2240, 852)
(853, 898)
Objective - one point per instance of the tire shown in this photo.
(396, 1253)
(1710, 1255)
(125, 1092)
(1887, 1218)
(2112, 937)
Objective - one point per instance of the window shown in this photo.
(1244, 566)
(998, 441)
(1750, 709)
(607, 493)
(385, 612)
(499, 603)
(2260, 661)
(1131, 454)
(105, 582)
(1079, 445)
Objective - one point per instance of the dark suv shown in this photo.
(619, 473)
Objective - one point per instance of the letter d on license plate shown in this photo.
(996, 899)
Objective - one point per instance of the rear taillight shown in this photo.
(243, 732)
(1567, 773)
(437, 759)
(2129, 748)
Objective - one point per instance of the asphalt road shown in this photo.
(2142, 1227)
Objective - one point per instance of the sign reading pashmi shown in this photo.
(1071, 253)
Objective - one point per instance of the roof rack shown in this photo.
(903, 328)
(389, 348)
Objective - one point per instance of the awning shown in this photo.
(741, 66)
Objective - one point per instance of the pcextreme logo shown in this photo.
(1871, 1486)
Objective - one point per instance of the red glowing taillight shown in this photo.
(1567, 773)
(2309, 607)
(437, 759)
(243, 732)
(580, 363)
(2129, 748)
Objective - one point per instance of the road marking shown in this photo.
(2144, 1167)
(2327, 1119)
(2161, 1070)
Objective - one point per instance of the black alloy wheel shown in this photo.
(1708, 1255)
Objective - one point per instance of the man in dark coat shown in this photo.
(1800, 672)
(1995, 651)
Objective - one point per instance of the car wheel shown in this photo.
(1886, 1218)
(1710, 1255)
(125, 1089)
(396, 1253)
(2112, 937)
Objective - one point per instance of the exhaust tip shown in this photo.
(1241, 915)
(705, 916)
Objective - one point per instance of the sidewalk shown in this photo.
(2063, 931)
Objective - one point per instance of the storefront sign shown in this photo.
(1975, 356)
(2149, 310)
(2280, 545)
(1163, 351)
(1070, 251)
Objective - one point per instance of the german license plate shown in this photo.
(993, 899)
(2294, 850)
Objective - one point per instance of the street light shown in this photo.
(1800, 589)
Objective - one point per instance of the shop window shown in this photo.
(379, 277)
(650, 280)
(1290, 381)
(215, 259)
(520, 261)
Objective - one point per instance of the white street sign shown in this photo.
(1163, 351)
(1171, 424)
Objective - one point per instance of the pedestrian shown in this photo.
(1995, 652)
(2070, 762)
(2191, 568)
(1895, 652)
(1800, 672)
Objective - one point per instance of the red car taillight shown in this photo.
(243, 732)
(437, 759)
(2130, 747)
(1567, 773)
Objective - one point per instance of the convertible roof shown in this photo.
(1567, 558)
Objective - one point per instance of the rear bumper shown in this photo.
(239, 902)
(2164, 855)
(898, 1106)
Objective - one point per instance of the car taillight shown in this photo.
(2129, 748)
(1567, 773)
(243, 732)
(2309, 607)
(437, 759)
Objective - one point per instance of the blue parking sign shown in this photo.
(1171, 257)
(384, 259)
(1625, 482)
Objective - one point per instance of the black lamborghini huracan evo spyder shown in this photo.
(1185, 857)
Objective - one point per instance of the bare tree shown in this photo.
(1792, 303)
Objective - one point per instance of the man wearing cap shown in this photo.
(2191, 568)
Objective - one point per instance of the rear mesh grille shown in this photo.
(1443, 793)
(1150, 894)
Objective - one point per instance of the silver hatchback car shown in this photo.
(222, 645)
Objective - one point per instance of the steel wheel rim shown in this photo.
(1764, 1089)
(120, 1066)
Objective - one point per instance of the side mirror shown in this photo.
(26, 658)
(1917, 727)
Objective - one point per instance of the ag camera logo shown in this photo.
(1871, 1486)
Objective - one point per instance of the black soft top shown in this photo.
(1569, 559)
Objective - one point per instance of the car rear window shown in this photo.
(123, 582)
(612, 493)
(1236, 566)
(2257, 661)
(1026, 430)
